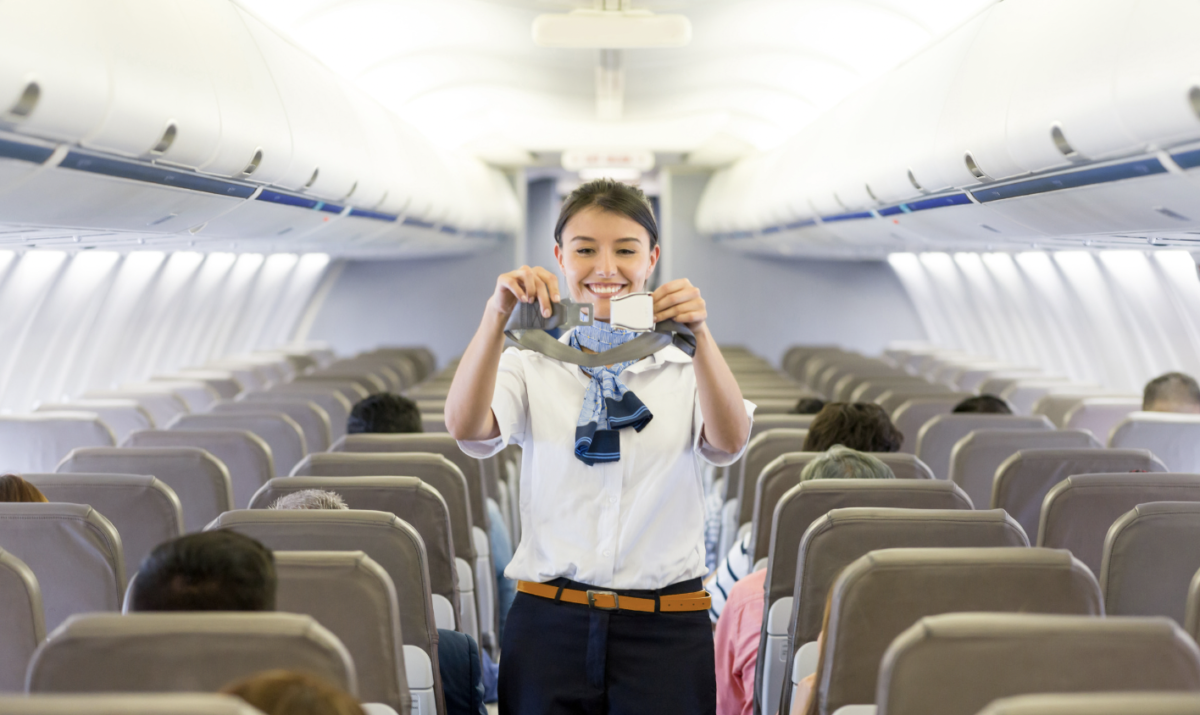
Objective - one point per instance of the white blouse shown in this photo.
(637, 523)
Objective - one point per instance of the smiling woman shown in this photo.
(612, 500)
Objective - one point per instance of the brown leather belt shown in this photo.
(609, 601)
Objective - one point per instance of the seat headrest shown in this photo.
(1097, 704)
(125, 704)
(36, 442)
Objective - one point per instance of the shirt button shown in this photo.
(612, 502)
(607, 552)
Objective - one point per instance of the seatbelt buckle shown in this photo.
(633, 312)
(592, 600)
(566, 314)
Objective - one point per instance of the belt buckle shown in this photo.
(592, 600)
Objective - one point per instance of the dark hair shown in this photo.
(987, 404)
(209, 571)
(611, 196)
(862, 426)
(384, 413)
(1173, 388)
(286, 692)
(807, 406)
(15, 489)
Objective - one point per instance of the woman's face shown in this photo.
(604, 254)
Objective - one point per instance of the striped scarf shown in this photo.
(607, 405)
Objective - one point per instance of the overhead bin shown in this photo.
(1157, 79)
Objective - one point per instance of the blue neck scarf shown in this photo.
(607, 405)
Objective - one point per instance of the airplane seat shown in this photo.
(162, 406)
(762, 451)
(281, 433)
(976, 457)
(21, 621)
(74, 552)
(122, 416)
(36, 442)
(1150, 556)
(1173, 438)
(937, 437)
(333, 402)
(1148, 703)
(245, 455)
(1057, 405)
(352, 388)
(196, 394)
(126, 704)
(913, 410)
(313, 421)
(145, 511)
(222, 382)
(368, 381)
(1099, 415)
(199, 480)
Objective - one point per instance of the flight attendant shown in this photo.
(610, 615)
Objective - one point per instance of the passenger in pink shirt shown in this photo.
(737, 645)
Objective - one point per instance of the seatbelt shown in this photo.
(526, 327)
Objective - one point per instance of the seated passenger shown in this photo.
(15, 489)
(737, 635)
(807, 406)
(384, 413)
(1173, 392)
(983, 404)
(207, 571)
(309, 499)
(285, 692)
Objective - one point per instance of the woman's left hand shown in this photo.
(680, 301)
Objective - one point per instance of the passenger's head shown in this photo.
(840, 462)
(808, 406)
(309, 499)
(209, 571)
(384, 413)
(15, 489)
(988, 404)
(286, 692)
(606, 242)
(1173, 392)
(858, 425)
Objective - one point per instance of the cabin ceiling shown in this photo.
(467, 73)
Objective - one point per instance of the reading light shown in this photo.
(611, 29)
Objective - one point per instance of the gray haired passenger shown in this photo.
(1172, 392)
(310, 499)
(840, 462)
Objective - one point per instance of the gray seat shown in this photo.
(762, 423)
(937, 438)
(153, 704)
(1057, 405)
(183, 652)
(762, 450)
(352, 389)
(893, 398)
(36, 442)
(783, 474)
(1078, 511)
(416, 503)
(74, 552)
(333, 402)
(1024, 480)
(380, 367)
(1100, 415)
(1173, 438)
(882, 594)
(1150, 555)
(21, 621)
(368, 379)
(200, 480)
(913, 413)
(1097, 704)
(870, 389)
(312, 420)
(221, 382)
(282, 434)
(433, 422)
(354, 598)
(162, 406)
(794, 612)
(245, 455)
(196, 394)
(144, 510)
(391, 543)
(976, 457)
(956, 663)
(122, 416)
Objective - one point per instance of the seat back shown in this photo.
(783, 474)
(1173, 438)
(283, 436)
(200, 480)
(870, 389)
(196, 394)
(433, 422)
(162, 406)
(121, 416)
(882, 594)
(183, 652)
(442, 444)
(913, 413)
(1057, 405)
(312, 420)
(1093, 704)
(976, 457)
(37, 442)
(21, 621)
(937, 438)
(390, 542)
(1024, 480)
(1100, 415)
(144, 511)
(762, 450)
(956, 663)
(1078, 511)
(353, 389)
(245, 455)
(74, 552)
(154, 704)
(416, 503)
(333, 402)
(352, 596)
(433, 469)
(1150, 555)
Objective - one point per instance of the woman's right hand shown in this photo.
(525, 285)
